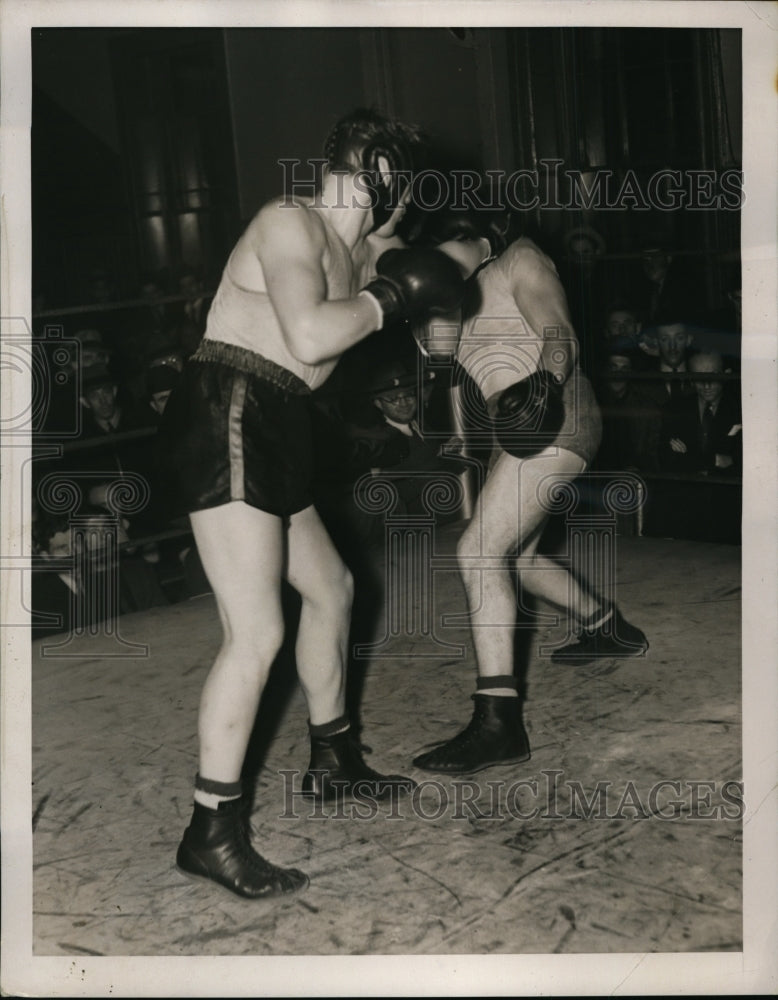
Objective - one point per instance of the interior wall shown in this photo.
(73, 67)
(435, 85)
(287, 87)
(477, 90)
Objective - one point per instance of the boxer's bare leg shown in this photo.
(242, 551)
(325, 585)
(318, 573)
(510, 515)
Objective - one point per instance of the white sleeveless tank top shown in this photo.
(498, 346)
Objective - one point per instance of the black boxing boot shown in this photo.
(216, 846)
(337, 768)
(610, 636)
(495, 735)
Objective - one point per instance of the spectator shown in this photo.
(410, 448)
(77, 592)
(669, 286)
(175, 559)
(93, 350)
(703, 433)
(674, 341)
(161, 379)
(53, 590)
(85, 350)
(623, 333)
(631, 419)
(155, 313)
(397, 440)
(108, 411)
(108, 418)
(584, 282)
(187, 319)
(701, 437)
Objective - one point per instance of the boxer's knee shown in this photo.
(332, 593)
(469, 547)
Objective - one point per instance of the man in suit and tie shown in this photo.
(674, 342)
(703, 432)
(702, 436)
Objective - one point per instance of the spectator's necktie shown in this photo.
(707, 428)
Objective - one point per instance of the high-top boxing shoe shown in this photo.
(613, 638)
(495, 735)
(216, 846)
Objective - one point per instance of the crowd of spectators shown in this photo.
(667, 375)
(94, 445)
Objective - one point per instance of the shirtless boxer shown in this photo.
(239, 447)
(520, 349)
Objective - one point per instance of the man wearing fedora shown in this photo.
(408, 447)
(386, 425)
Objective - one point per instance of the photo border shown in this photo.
(753, 970)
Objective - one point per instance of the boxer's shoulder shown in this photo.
(525, 252)
(289, 222)
(524, 262)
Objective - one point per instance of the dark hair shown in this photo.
(359, 143)
(622, 305)
(352, 133)
(46, 525)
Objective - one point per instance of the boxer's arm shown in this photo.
(291, 246)
(542, 301)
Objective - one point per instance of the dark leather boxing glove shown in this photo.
(416, 284)
(529, 414)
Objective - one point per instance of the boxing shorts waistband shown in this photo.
(250, 362)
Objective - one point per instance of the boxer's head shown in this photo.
(382, 152)
(466, 222)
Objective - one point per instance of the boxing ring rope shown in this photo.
(115, 306)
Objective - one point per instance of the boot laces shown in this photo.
(465, 737)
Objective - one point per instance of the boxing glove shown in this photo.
(466, 224)
(416, 284)
(529, 414)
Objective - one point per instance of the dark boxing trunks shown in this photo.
(237, 427)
